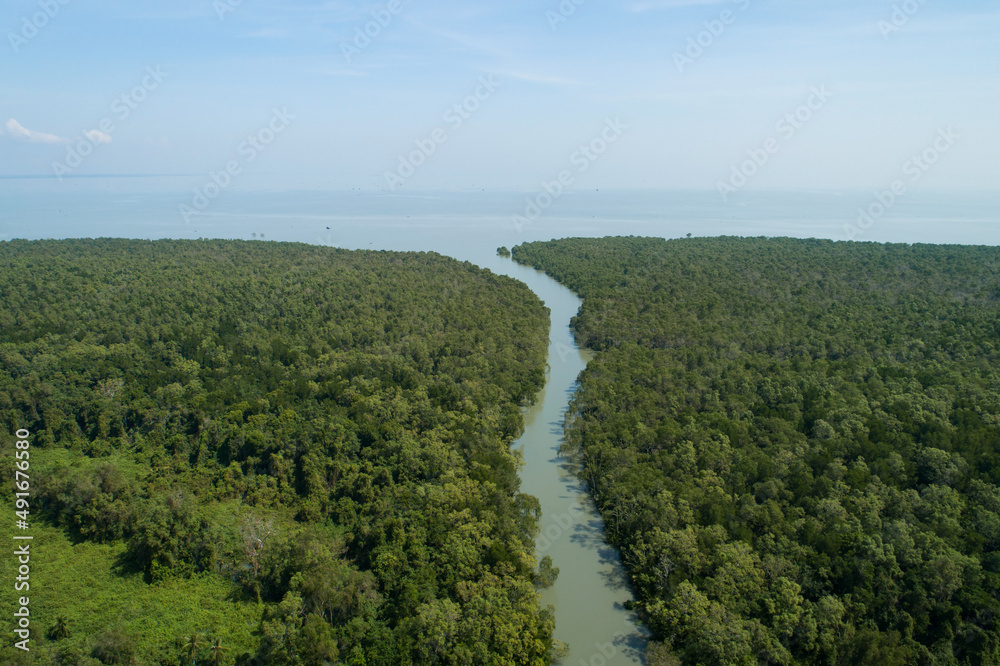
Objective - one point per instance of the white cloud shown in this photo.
(17, 130)
(97, 136)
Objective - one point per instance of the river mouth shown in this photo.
(591, 591)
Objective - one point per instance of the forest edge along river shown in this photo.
(591, 591)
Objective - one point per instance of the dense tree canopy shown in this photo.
(326, 431)
(795, 444)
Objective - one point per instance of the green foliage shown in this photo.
(658, 654)
(172, 539)
(113, 646)
(302, 452)
(218, 651)
(60, 629)
(502, 251)
(795, 444)
(98, 504)
(547, 574)
(85, 583)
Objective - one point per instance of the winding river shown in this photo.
(591, 590)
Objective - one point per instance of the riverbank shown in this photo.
(590, 594)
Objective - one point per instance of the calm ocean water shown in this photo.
(468, 225)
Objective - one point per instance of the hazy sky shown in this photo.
(289, 88)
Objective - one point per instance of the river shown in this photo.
(591, 590)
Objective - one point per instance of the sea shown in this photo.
(471, 224)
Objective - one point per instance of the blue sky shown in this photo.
(200, 77)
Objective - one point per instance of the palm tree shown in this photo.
(217, 650)
(60, 629)
(191, 645)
